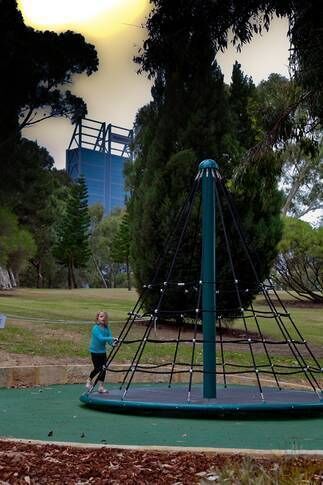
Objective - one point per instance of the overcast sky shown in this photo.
(116, 92)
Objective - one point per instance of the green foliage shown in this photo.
(242, 89)
(302, 178)
(306, 35)
(36, 180)
(72, 248)
(272, 107)
(8, 231)
(96, 213)
(121, 242)
(37, 67)
(26, 180)
(120, 247)
(194, 116)
(248, 18)
(16, 243)
(43, 271)
(299, 265)
(281, 119)
(21, 252)
(104, 231)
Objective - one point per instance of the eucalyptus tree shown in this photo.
(297, 142)
(298, 269)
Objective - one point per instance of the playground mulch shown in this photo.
(30, 463)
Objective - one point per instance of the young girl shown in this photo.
(100, 336)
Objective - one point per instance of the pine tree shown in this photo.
(72, 248)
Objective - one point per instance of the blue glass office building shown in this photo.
(99, 151)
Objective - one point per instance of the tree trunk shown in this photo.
(128, 276)
(297, 183)
(69, 277)
(73, 276)
(40, 278)
(100, 272)
(14, 281)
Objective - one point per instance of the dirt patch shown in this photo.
(9, 359)
(50, 332)
(294, 303)
(164, 332)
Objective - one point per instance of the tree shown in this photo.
(16, 243)
(189, 119)
(37, 67)
(45, 61)
(96, 213)
(36, 201)
(43, 270)
(72, 247)
(243, 20)
(120, 247)
(242, 90)
(297, 143)
(299, 264)
(249, 18)
(302, 180)
(103, 232)
(32, 181)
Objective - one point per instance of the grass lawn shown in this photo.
(78, 305)
(57, 323)
(309, 322)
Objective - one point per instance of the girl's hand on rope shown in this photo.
(115, 342)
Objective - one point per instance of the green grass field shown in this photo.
(78, 305)
(57, 323)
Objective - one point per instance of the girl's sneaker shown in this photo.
(101, 389)
(88, 384)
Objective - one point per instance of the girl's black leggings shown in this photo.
(99, 360)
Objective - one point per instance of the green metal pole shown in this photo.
(208, 167)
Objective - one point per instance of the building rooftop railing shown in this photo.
(102, 137)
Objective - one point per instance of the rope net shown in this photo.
(171, 304)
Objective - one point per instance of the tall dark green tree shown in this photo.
(242, 90)
(72, 248)
(189, 119)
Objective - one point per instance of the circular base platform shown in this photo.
(236, 400)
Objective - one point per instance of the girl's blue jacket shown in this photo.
(99, 338)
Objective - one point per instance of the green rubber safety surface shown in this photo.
(55, 413)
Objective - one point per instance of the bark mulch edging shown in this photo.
(31, 463)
